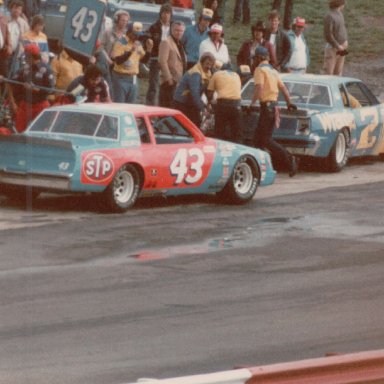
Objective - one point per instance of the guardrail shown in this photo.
(354, 368)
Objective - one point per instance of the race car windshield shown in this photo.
(80, 123)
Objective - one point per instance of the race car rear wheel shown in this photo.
(339, 154)
(243, 183)
(124, 189)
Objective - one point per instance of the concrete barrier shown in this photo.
(355, 368)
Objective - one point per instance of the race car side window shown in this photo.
(108, 127)
(168, 130)
(143, 130)
(360, 91)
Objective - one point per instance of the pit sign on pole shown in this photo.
(82, 25)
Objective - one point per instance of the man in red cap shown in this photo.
(30, 96)
(299, 58)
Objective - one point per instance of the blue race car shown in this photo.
(337, 118)
(124, 151)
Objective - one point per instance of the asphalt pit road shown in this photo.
(278, 220)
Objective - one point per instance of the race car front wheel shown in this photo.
(242, 185)
(124, 189)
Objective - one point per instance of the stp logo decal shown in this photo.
(97, 167)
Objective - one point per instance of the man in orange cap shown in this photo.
(30, 96)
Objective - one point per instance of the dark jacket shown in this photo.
(282, 47)
(155, 33)
(244, 56)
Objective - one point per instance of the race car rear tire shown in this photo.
(122, 193)
(339, 154)
(243, 183)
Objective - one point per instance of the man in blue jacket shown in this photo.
(187, 97)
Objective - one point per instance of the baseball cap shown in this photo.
(135, 28)
(244, 69)
(207, 14)
(216, 28)
(261, 51)
(299, 22)
(32, 50)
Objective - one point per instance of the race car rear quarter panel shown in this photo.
(365, 124)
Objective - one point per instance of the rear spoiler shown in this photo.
(31, 140)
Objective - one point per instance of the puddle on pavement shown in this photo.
(258, 235)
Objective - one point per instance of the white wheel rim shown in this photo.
(124, 185)
(340, 148)
(243, 178)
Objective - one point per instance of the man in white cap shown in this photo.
(299, 59)
(194, 35)
(215, 45)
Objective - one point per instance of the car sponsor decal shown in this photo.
(335, 121)
(97, 167)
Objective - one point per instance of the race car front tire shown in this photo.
(243, 183)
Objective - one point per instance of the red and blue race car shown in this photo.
(125, 151)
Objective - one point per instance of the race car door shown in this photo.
(179, 159)
(368, 114)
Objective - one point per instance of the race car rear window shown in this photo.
(77, 123)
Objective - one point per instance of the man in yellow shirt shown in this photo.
(227, 85)
(267, 86)
(126, 55)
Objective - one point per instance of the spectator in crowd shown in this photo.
(221, 10)
(335, 34)
(5, 45)
(120, 24)
(299, 59)
(194, 35)
(17, 27)
(267, 87)
(28, 99)
(246, 53)
(214, 6)
(187, 97)
(65, 69)
(242, 8)
(158, 32)
(127, 55)
(90, 85)
(215, 44)
(276, 4)
(36, 36)
(279, 40)
(227, 85)
(173, 63)
(104, 62)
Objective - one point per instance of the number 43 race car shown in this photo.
(122, 152)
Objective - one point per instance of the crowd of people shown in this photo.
(184, 63)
